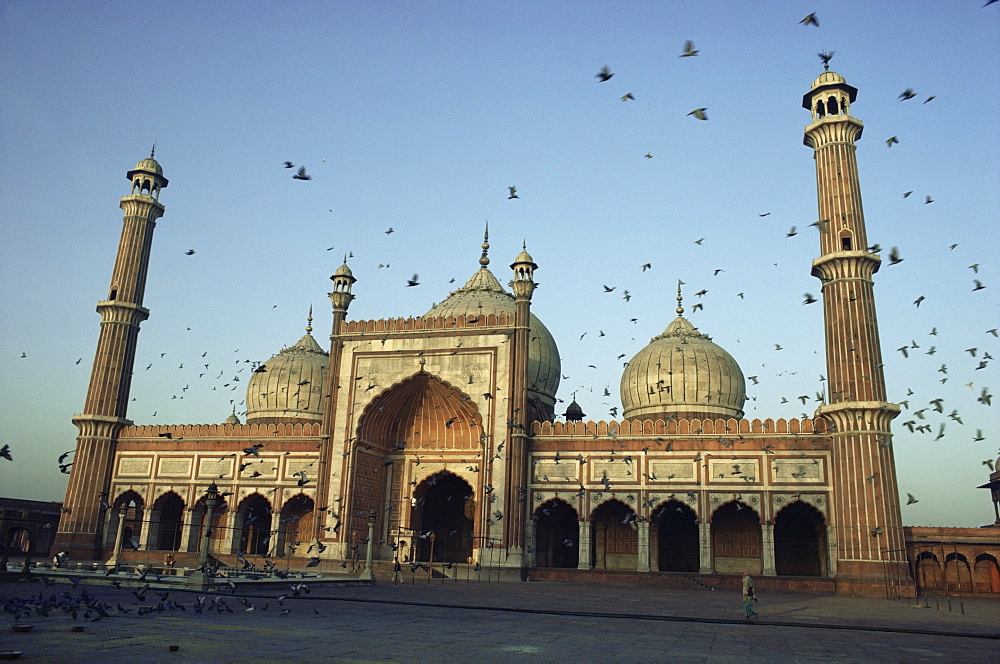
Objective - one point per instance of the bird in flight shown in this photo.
(413, 281)
(513, 193)
(826, 56)
(605, 74)
(810, 20)
(289, 164)
(908, 93)
(689, 50)
(699, 113)
(910, 499)
(894, 258)
(648, 155)
(929, 98)
(892, 139)
(301, 175)
(791, 232)
(189, 252)
(390, 231)
(809, 299)
(627, 96)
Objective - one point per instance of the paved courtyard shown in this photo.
(495, 622)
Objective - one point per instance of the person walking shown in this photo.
(748, 596)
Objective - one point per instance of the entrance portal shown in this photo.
(443, 515)
(799, 541)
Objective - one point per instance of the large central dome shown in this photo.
(681, 374)
(483, 294)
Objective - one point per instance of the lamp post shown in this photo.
(369, 573)
(122, 513)
(199, 576)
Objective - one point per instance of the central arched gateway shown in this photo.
(800, 541)
(615, 543)
(736, 539)
(443, 505)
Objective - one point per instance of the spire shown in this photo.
(309, 320)
(680, 299)
(484, 260)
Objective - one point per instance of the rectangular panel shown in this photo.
(733, 470)
(174, 467)
(613, 470)
(550, 471)
(135, 466)
(671, 471)
(793, 471)
(215, 467)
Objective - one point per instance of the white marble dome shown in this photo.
(682, 374)
(289, 387)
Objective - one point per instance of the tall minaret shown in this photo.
(868, 525)
(523, 285)
(81, 526)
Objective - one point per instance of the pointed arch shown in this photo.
(736, 538)
(296, 523)
(800, 547)
(557, 534)
(217, 531)
(168, 516)
(928, 573)
(986, 574)
(134, 516)
(424, 412)
(674, 529)
(957, 573)
(254, 525)
(614, 538)
(442, 513)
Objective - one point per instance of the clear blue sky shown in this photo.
(418, 116)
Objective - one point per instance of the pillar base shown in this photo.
(863, 578)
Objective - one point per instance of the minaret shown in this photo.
(523, 286)
(869, 530)
(104, 413)
(341, 298)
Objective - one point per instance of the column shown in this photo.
(767, 549)
(150, 531)
(705, 548)
(529, 542)
(585, 561)
(642, 564)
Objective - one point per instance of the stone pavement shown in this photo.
(506, 622)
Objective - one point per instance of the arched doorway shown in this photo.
(168, 511)
(217, 531)
(132, 530)
(676, 527)
(557, 534)
(17, 541)
(736, 539)
(986, 574)
(443, 505)
(296, 522)
(928, 571)
(957, 574)
(800, 541)
(614, 540)
(255, 529)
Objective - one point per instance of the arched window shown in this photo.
(676, 535)
(800, 541)
(557, 532)
(614, 538)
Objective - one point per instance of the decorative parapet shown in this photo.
(178, 431)
(422, 324)
(693, 427)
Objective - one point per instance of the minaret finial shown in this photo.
(484, 260)
(309, 320)
(680, 309)
(826, 56)
(153, 151)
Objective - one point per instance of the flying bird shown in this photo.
(894, 258)
(892, 139)
(908, 93)
(513, 193)
(810, 20)
(289, 164)
(689, 50)
(792, 232)
(605, 74)
(413, 281)
(648, 155)
(627, 96)
(301, 175)
(5, 453)
(699, 113)
(826, 56)
(189, 252)
(809, 299)
(910, 499)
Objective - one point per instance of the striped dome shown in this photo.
(289, 386)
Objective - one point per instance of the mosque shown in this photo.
(441, 432)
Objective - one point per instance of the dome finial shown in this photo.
(152, 152)
(680, 309)
(826, 56)
(309, 321)
(484, 260)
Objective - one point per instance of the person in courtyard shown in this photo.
(169, 561)
(748, 596)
